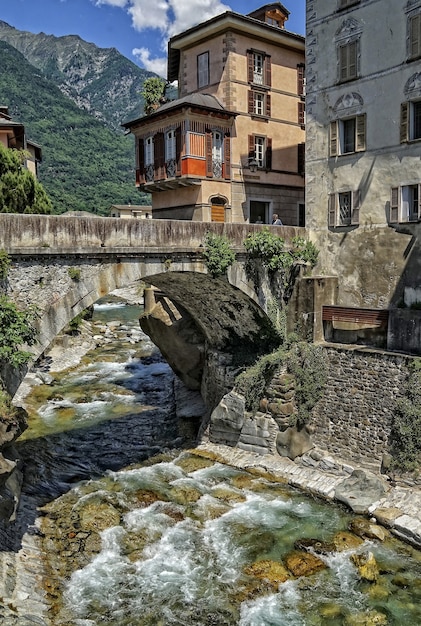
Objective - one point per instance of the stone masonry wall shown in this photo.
(353, 419)
(351, 423)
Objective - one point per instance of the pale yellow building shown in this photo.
(231, 147)
(131, 211)
(12, 135)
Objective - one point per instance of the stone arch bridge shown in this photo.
(64, 264)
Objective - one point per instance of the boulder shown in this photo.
(303, 563)
(360, 490)
(227, 419)
(315, 545)
(293, 442)
(366, 566)
(366, 529)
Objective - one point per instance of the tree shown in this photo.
(153, 93)
(20, 192)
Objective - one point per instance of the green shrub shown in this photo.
(406, 425)
(308, 364)
(252, 382)
(74, 273)
(218, 254)
(7, 410)
(305, 361)
(5, 264)
(16, 329)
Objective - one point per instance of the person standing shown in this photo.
(276, 221)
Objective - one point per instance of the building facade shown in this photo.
(12, 135)
(231, 147)
(363, 147)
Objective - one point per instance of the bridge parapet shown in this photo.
(77, 232)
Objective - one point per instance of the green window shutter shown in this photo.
(394, 205)
(352, 60)
(332, 210)
(360, 125)
(333, 139)
(404, 123)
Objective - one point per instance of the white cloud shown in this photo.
(169, 17)
(120, 4)
(157, 65)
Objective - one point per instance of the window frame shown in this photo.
(408, 127)
(255, 96)
(337, 135)
(414, 36)
(149, 150)
(260, 150)
(203, 69)
(265, 74)
(398, 204)
(335, 217)
(348, 60)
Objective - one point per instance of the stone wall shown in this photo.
(352, 421)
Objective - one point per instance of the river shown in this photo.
(136, 529)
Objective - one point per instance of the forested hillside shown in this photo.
(100, 80)
(86, 166)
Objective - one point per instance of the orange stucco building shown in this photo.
(231, 147)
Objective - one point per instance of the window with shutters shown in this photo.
(301, 79)
(410, 125)
(260, 150)
(348, 61)
(259, 69)
(259, 103)
(348, 136)
(203, 70)
(415, 37)
(344, 4)
(344, 208)
(405, 204)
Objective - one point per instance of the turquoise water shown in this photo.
(184, 540)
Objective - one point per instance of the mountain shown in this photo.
(86, 166)
(100, 80)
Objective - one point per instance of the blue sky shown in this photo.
(139, 29)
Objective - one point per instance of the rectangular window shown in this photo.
(260, 151)
(170, 149)
(149, 158)
(405, 204)
(348, 136)
(259, 69)
(203, 70)
(348, 61)
(415, 36)
(410, 123)
(258, 60)
(344, 208)
(259, 103)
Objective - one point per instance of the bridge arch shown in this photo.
(228, 311)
